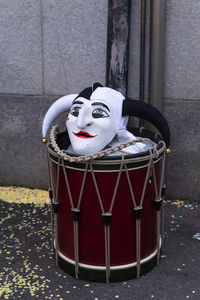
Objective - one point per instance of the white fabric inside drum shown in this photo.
(147, 146)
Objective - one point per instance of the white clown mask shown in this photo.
(94, 121)
(90, 125)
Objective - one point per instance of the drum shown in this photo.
(106, 215)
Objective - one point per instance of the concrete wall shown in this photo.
(50, 48)
(182, 92)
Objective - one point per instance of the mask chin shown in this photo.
(84, 150)
(91, 146)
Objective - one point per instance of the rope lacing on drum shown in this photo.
(138, 209)
(162, 211)
(75, 214)
(53, 195)
(51, 199)
(107, 216)
(100, 154)
(159, 203)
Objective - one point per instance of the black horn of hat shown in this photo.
(149, 113)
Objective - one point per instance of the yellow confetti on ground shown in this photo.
(14, 194)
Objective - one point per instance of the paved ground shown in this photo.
(28, 271)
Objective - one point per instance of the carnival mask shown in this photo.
(90, 125)
(97, 117)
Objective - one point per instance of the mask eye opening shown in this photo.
(75, 111)
(99, 113)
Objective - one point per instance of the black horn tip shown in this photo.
(149, 113)
(96, 85)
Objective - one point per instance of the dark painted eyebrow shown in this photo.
(100, 103)
(77, 102)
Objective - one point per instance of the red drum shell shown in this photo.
(91, 227)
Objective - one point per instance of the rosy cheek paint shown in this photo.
(67, 119)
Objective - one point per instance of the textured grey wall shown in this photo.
(182, 91)
(182, 51)
(50, 48)
(20, 47)
(74, 41)
(183, 165)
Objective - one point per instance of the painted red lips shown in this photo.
(84, 135)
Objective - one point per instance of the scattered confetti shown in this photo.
(13, 194)
(28, 269)
(196, 236)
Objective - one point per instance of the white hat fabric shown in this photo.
(61, 105)
(115, 100)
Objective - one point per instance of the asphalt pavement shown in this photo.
(28, 269)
